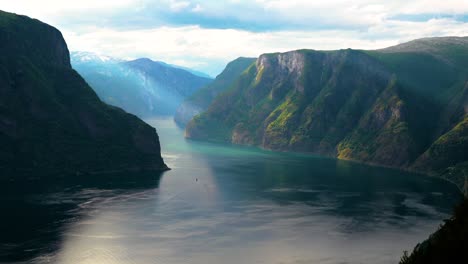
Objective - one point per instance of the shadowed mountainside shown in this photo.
(449, 244)
(51, 120)
(404, 106)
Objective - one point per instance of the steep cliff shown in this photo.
(202, 98)
(51, 120)
(403, 106)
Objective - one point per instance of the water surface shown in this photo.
(227, 204)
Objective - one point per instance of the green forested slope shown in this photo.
(395, 107)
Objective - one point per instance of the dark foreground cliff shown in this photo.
(449, 244)
(404, 106)
(51, 120)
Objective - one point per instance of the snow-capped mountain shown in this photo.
(142, 87)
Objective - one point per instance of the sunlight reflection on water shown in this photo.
(222, 204)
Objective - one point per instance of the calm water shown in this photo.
(222, 204)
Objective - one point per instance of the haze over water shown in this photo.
(229, 204)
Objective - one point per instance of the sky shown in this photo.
(205, 35)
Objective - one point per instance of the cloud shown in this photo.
(209, 49)
(207, 34)
(197, 8)
(251, 15)
(55, 7)
(178, 5)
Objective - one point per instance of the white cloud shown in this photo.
(343, 13)
(389, 7)
(197, 8)
(178, 5)
(193, 46)
(106, 27)
(434, 7)
(51, 7)
(358, 12)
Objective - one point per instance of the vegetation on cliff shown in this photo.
(51, 120)
(449, 244)
(404, 106)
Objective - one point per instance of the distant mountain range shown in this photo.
(405, 106)
(192, 71)
(52, 121)
(142, 87)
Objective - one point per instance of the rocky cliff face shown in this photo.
(35, 36)
(393, 107)
(51, 120)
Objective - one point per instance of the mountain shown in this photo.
(449, 244)
(51, 120)
(192, 71)
(83, 58)
(404, 106)
(142, 87)
(202, 98)
(182, 81)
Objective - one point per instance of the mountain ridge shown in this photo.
(143, 87)
(382, 107)
(183, 85)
